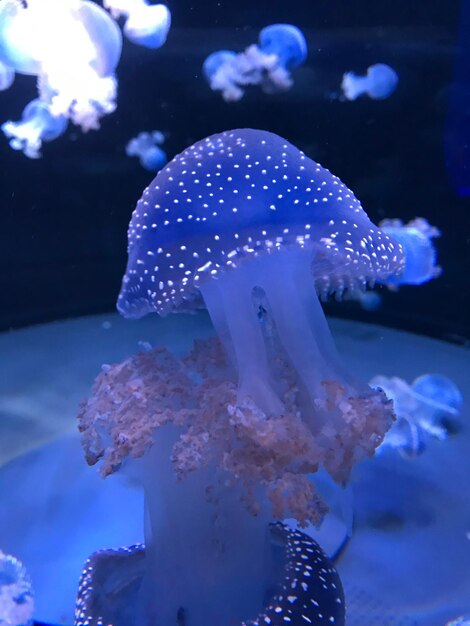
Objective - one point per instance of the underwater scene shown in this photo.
(235, 313)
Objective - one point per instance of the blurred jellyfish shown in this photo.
(7, 76)
(281, 48)
(72, 46)
(379, 83)
(145, 146)
(146, 25)
(37, 124)
(429, 407)
(287, 42)
(16, 596)
(420, 254)
(462, 620)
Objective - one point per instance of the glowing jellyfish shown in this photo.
(281, 48)
(37, 124)
(379, 83)
(146, 147)
(146, 24)
(16, 595)
(429, 407)
(7, 76)
(72, 46)
(245, 224)
(420, 254)
(286, 41)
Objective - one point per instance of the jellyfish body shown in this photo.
(145, 146)
(420, 254)
(7, 76)
(37, 124)
(282, 47)
(285, 41)
(379, 83)
(16, 594)
(263, 216)
(146, 25)
(429, 407)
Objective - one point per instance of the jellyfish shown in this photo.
(287, 42)
(7, 76)
(145, 146)
(37, 124)
(281, 48)
(420, 254)
(379, 83)
(72, 46)
(428, 408)
(16, 595)
(146, 24)
(224, 440)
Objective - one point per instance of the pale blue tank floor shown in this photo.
(408, 563)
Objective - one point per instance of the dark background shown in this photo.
(63, 218)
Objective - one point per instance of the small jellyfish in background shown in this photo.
(368, 300)
(281, 48)
(16, 595)
(429, 407)
(146, 147)
(37, 124)
(146, 24)
(379, 83)
(420, 254)
(7, 76)
(462, 620)
(72, 47)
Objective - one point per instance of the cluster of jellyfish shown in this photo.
(75, 66)
(72, 48)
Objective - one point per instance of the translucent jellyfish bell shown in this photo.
(146, 25)
(37, 124)
(286, 41)
(379, 83)
(146, 147)
(7, 76)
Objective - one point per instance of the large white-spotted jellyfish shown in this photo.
(224, 440)
(72, 46)
(281, 48)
